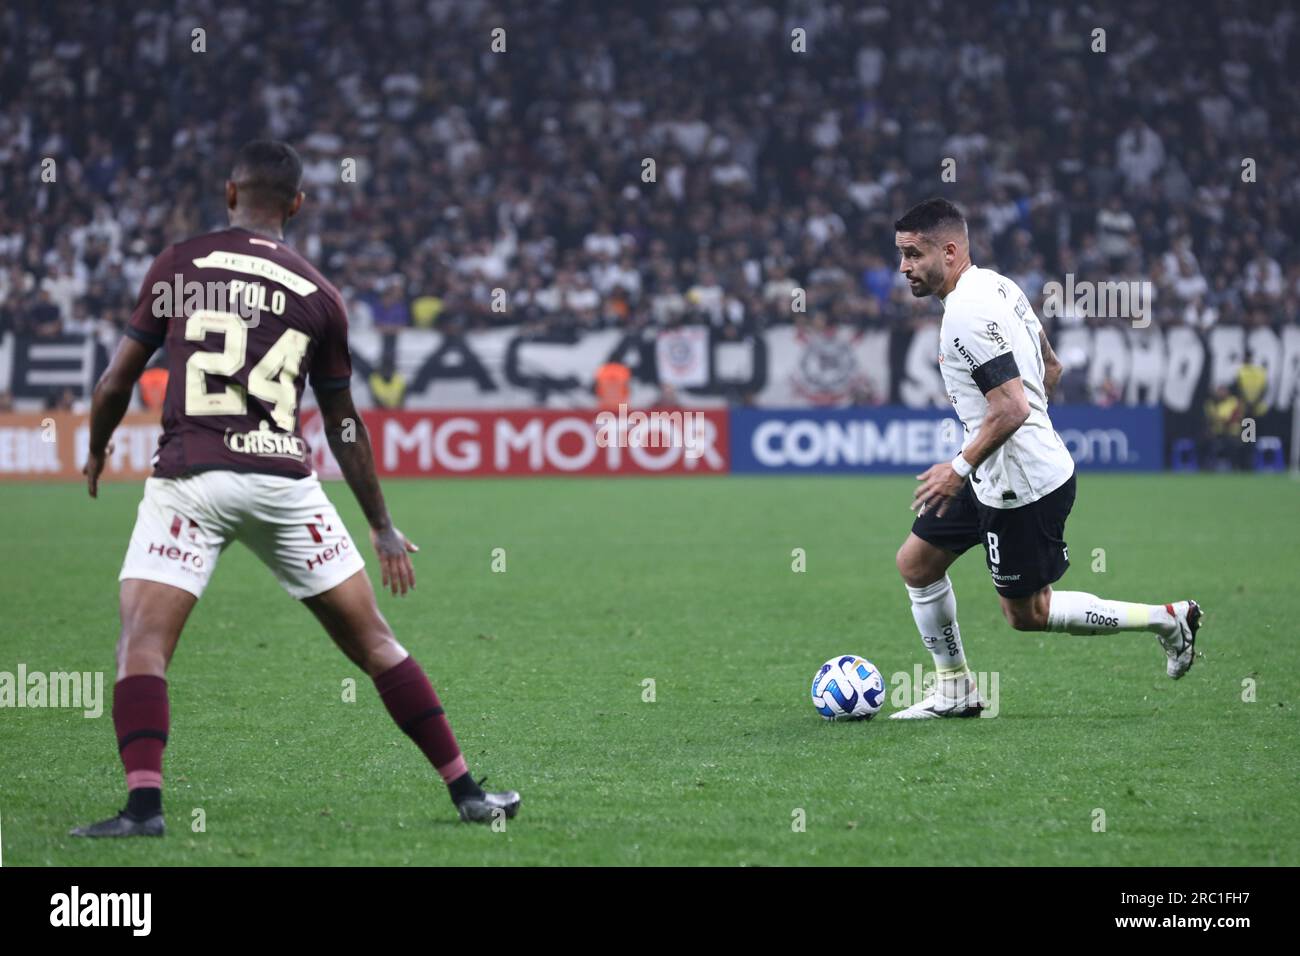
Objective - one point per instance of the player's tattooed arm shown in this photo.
(350, 442)
(109, 403)
(1008, 409)
(1052, 367)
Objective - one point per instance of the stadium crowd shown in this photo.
(780, 158)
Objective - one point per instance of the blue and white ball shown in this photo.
(848, 688)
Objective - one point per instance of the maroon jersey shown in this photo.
(245, 320)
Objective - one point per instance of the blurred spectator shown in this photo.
(387, 385)
(390, 311)
(153, 385)
(612, 385)
(1107, 393)
(1224, 448)
(42, 316)
(1251, 384)
(1117, 232)
(1139, 155)
(1263, 278)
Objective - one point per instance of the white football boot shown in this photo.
(952, 697)
(1179, 641)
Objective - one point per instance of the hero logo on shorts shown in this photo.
(333, 551)
(189, 560)
(179, 524)
(266, 443)
(329, 554)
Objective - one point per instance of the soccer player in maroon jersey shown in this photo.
(246, 321)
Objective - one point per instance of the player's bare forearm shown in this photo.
(112, 393)
(357, 462)
(349, 440)
(1052, 367)
(1051, 376)
(1008, 409)
(108, 404)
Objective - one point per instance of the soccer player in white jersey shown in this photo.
(1011, 487)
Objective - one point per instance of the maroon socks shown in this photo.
(410, 699)
(141, 719)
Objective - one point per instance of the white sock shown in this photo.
(934, 608)
(1077, 612)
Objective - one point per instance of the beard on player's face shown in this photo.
(922, 263)
(926, 277)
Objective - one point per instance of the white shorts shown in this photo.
(184, 524)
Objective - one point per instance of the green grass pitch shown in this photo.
(689, 583)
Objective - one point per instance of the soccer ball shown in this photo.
(848, 688)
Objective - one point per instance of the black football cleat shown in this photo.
(122, 826)
(489, 807)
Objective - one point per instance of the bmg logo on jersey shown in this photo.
(961, 350)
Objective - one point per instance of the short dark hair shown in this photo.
(269, 173)
(931, 215)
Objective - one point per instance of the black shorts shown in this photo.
(1024, 547)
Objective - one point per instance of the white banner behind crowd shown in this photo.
(783, 367)
(682, 357)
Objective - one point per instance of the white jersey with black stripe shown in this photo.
(989, 336)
